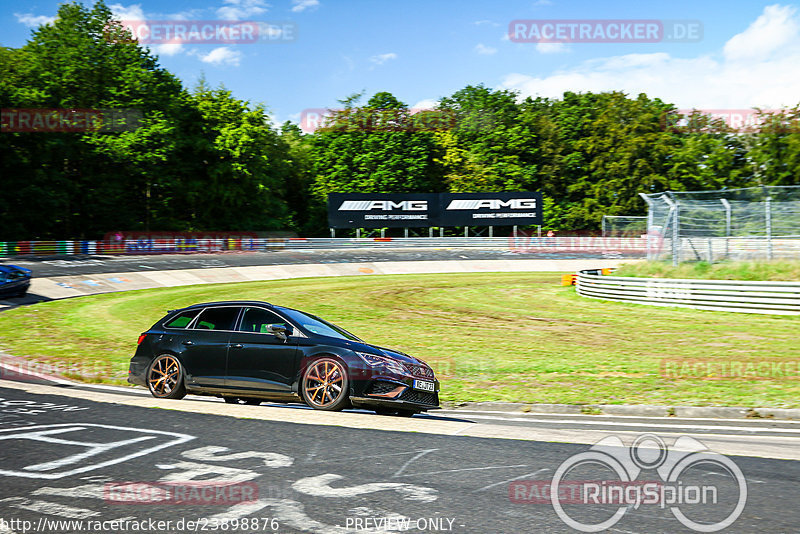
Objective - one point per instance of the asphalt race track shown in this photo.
(74, 459)
(73, 265)
(78, 458)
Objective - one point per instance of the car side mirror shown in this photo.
(280, 330)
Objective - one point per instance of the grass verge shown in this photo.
(491, 337)
(739, 270)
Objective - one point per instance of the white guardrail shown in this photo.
(781, 298)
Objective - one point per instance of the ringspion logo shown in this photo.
(699, 502)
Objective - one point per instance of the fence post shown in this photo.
(769, 227)
(650, 217)
(727, 224)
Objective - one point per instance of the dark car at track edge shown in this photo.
(14, 281)
(253, 351)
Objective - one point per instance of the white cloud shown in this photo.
(428, 103)
(168, 49)
(33, 21)
(380, 59)
(485, 50)
(222, 55)
(242, 9)
(302, 5)
(131, 12)
(551, 48)
(540, 3)
(135, 12)
(486, 23)
(747, 72)
(772, 31)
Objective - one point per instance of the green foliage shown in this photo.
(205, 160)
(779, 270)
(197, 161)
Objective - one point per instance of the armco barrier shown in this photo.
(780, 298)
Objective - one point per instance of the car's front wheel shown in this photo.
(165, 378)
(325, 385)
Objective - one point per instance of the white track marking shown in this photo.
(290, 514)
(186, 471)
(41, 433)
(465, 469)
(640, 425)
(51, 508)
(512, 480)
(86, 491)
(319, 486)
(592, 416)
(209, 454)
(412, 460)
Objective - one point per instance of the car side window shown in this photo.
(257, 319)
(182, 319)
(223, 318)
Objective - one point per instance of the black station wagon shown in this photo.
(249, 352)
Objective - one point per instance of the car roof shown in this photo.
(230, 303)
(13, 268)
(235, 303)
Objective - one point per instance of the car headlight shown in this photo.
(373, 360)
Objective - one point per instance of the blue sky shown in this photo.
(422, 50)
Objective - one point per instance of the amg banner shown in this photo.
(383, 210)
(409, 210)
(490, 209)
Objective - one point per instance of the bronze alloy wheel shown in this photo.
(325, 385)
(165, 378)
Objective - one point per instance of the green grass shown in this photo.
(491, 337)
(739, 270)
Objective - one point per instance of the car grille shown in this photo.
(420, 371)
(381, 388)
(420, 397)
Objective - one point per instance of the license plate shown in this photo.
(424, 385)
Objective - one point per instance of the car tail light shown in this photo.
(141, 338)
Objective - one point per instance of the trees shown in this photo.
(374, 148)
(195, 161)
(205, 160)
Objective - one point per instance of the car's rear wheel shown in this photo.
(325, 385)
(165, 378)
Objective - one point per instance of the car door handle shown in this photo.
(187, 343)
(237, 346)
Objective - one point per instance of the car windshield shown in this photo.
(315, 325)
